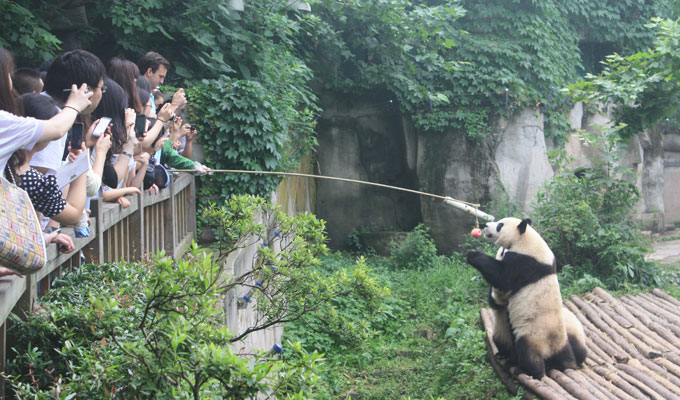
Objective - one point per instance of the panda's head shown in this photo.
(506, 232)
(517, 235)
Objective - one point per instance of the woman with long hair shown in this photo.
(125, 73)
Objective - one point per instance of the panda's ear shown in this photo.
(523, 225)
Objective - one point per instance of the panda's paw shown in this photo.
(471, 255)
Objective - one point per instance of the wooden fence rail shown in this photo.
(163, 221)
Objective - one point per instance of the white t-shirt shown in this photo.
(17, 133)
(51, 156)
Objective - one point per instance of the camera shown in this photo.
(192, 127)
(173, 118)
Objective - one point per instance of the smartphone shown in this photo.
(140, 125)
(101, 126)
(64, 94)
(76, 135)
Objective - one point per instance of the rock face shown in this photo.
(521, 157)
(365, 141)
(369, 140)
(454, 166)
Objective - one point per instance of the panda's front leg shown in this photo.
(490, 268)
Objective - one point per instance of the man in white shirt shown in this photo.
(73, 67)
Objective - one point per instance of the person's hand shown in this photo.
(9, 272)
(179, 99)
(153, 189)
(165, 113)
(103, 143)
(201, 169)
(191, 134)
(130, 117)
(143, 158)
(159, 143)
(63, 242)
(133, 190)
(184, 130)
(125, 203)
(177, 145)
(79, 97)
(176, 124)
(73, 154)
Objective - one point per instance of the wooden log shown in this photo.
(660, 293)
(672, 357)
(663, 302)
(570, 385)
(556, 387)
(540, 388)
(645, 333)
(636, 329)
(602, 345)
(607, 385)
(651, 386)
(641, 346)
(658, 312)
(606, 348)
(615, 378)
(668, 307)
(592, 387)
(669, 366)
(660, 328)
(670, 381)
(638, 310)
(613, 334)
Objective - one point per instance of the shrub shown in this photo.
(156, 329)
(585, 216)
(416, 251)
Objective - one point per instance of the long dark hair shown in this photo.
(113, 105)
(8, 96)
(125, 73)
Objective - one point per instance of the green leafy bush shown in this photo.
(417, 251)
(156, 329)
(586, 218)
(25, 34)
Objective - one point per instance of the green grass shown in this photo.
(425, 343)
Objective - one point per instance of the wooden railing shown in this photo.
(163, 221)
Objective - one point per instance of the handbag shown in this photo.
(22, 246)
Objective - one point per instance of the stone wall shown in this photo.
(366, 139)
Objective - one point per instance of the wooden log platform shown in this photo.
(633, 350)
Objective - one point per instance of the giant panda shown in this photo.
(502, 332)
(524, 276)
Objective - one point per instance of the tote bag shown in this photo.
(22, 247)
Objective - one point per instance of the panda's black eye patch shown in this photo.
(499, 227)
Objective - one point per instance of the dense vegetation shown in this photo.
(253, 78)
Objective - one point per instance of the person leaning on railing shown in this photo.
(18, 132)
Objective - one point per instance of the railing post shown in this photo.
(170, 239)
(191, 223)
(136, 231)
(94, 251)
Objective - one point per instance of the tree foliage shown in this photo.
(157, 329)
(644, 87)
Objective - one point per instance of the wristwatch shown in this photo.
(127, 153)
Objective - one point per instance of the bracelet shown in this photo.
(72, 108)
(126, 153)
(165, 122)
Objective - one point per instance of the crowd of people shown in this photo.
(110, 124)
